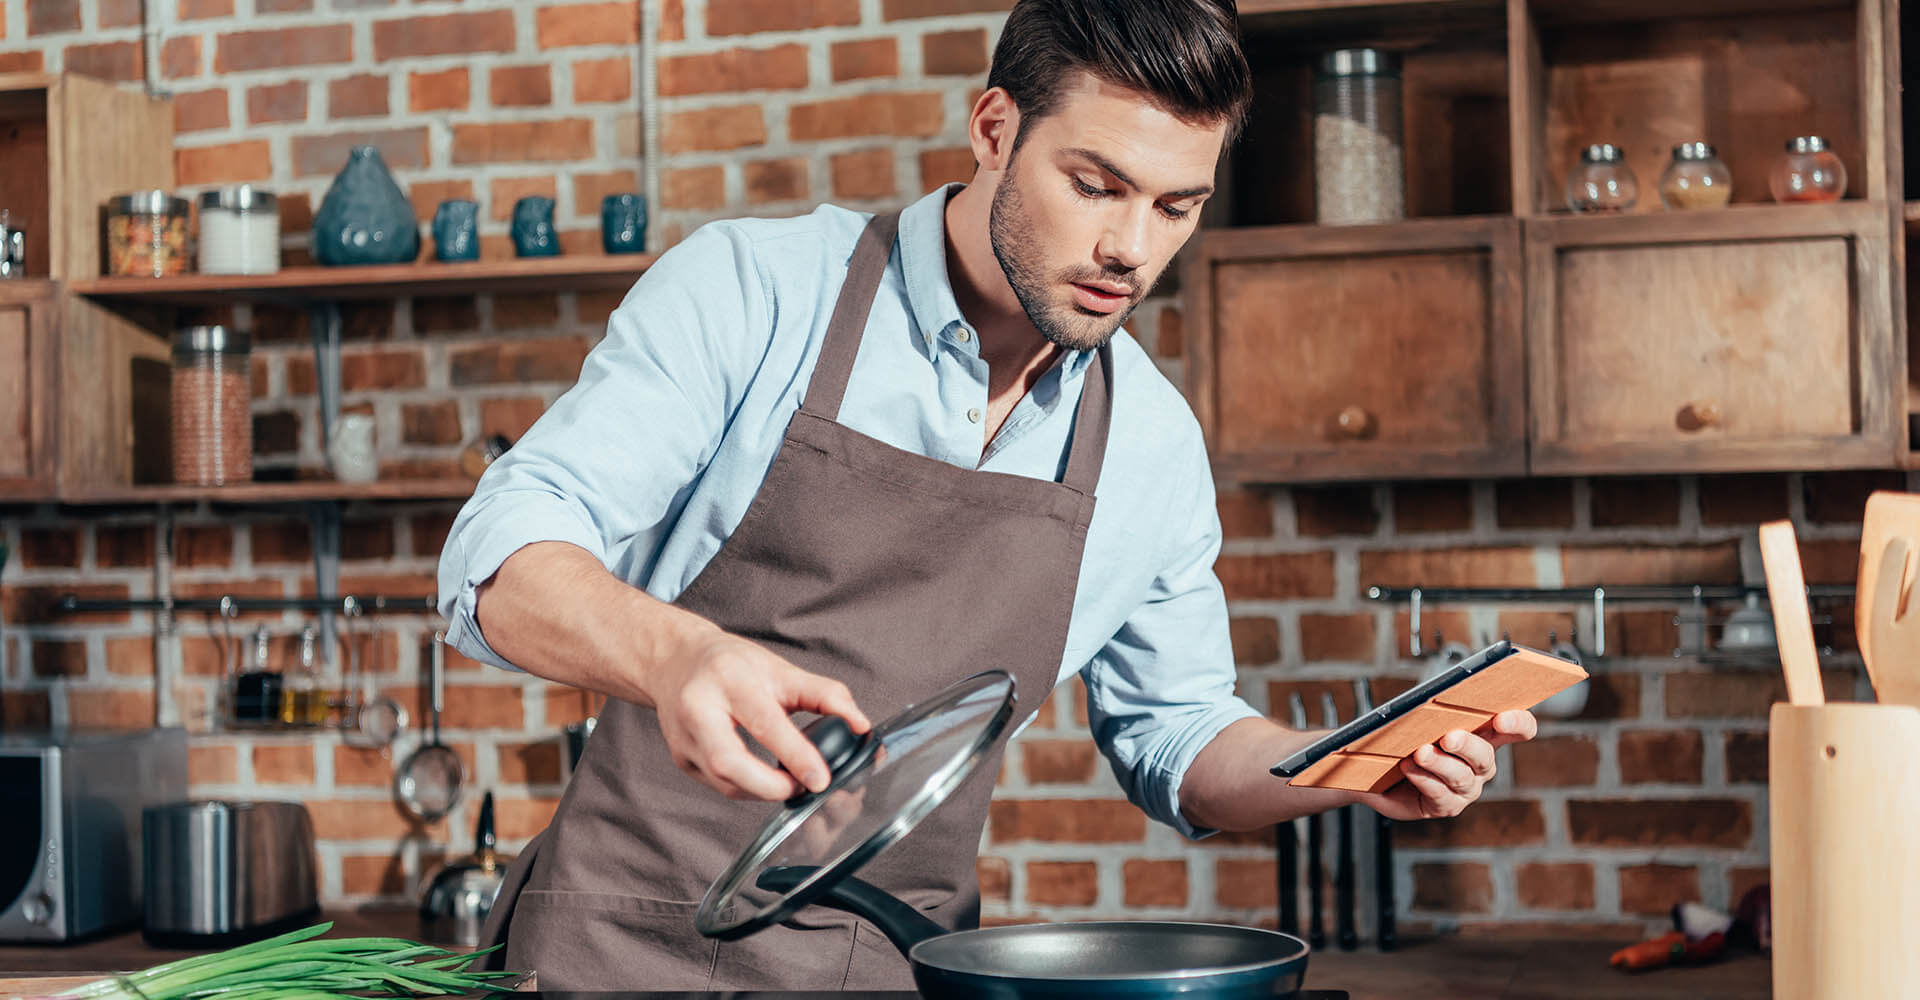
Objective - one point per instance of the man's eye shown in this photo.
(1176, 214)
(1087, 190)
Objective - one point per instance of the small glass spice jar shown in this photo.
(147, 235)
(239, 231)
(1695, 179)
(1602, 181)
(212, 402)
(1808, 171)
(1358, 168)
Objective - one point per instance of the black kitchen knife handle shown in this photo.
(1343, 887)
(1289, 875)
(1383, 881)
(1316, 850)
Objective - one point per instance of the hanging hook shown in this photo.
(1413, 623)
(1599, 621)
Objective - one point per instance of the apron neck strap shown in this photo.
(1090, 423)
(830, 373)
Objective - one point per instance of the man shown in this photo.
(822, 466)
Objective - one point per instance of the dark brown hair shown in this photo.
(1183, 54)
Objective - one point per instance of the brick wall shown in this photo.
(1655, 794)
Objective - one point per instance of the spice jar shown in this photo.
(1358, 170)
(1808, 171)
(1695, 179)
(212, 396)
(239, 231)
(1602, 181)
(147, 235)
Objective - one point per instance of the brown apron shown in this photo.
(891, 572)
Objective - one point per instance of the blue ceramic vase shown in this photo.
(623, 223)
(456, 230)
(533, 234)
(365, 218)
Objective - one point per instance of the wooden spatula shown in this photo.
(1889, 515)
(1896, 630)
(1792, 625)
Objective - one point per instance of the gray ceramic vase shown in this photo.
(365, 218)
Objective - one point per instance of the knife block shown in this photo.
(1844, 808)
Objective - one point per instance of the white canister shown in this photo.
(350, 449)
(239, 231)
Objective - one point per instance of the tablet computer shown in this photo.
(1364, 755)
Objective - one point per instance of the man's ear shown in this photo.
(991, 129)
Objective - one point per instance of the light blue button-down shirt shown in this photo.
(650, 460)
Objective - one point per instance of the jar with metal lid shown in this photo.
(1358, 170)
(1602, 181)
(1695, 179)
(212, 400)
(1808, 171)
(147, 235)
(239, 231)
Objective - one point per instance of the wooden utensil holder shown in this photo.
(1844, 807)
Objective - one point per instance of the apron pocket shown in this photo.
(609, 941)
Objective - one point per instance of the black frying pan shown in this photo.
(1106, 959)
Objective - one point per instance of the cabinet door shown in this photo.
(26, 373)
(1388, 351)
(1748, 340)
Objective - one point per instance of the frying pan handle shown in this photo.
(901, 923)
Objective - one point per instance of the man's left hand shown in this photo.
(1445, 777)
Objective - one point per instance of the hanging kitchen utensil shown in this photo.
(457, 898)
(1896, 629)
(1385, 934)
(1889, 515)
(883, 784)
(428, 783)
(1343, 873)
(1792, 625)
(370, 720)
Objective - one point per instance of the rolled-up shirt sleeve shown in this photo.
(617, 453)
(1163, 687)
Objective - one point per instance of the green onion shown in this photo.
(300, 966)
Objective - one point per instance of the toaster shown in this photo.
(222, 872)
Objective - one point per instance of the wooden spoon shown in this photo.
(1792, 625)
(1889, 514)
(1896, 631)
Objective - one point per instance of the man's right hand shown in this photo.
(721, 684)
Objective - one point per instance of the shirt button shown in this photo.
(963, 334)
(973, 415)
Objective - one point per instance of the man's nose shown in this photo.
(1124, 244)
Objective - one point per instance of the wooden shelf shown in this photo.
(1371, 20)
(289, 492)
(1732, 223)
(1604, 11)
(386, 281)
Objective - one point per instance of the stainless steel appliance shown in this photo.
(220, 872)
(70, 841)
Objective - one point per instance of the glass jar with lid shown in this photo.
(212, 404)
(147, 235)
(1808, 172)
(1358, 169)
(1695, 179)
(239, 231)
(1602, 181)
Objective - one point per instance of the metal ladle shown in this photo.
(372, 721)
(428, 782)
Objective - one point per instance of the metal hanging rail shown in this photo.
(71, 604)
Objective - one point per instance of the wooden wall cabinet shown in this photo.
(28, 375)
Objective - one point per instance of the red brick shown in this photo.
(590, 188)
(443, 35)
(1246, 883)
(948, 166)
(363, 96)
(862, 174)
(130, 656)
(1063, 883)
(694, 188)
(367, 538)
(212, 765)
(864, 59)
(25, 709)
(1255, 640)
(996, 879)
(247, 51)
(280, 102)
(556, 359)
(232, 162)
(746, 17)
(1531, 628)
(1075, 821)
(180, 57)
(400, 368)
(1534, 503)
(200, 545)
(111, 13)
(1621, 565)
(1634, 502)
(1422, 508)
(901, 10)
(283, 765)
(110, 709)
(369, 819)
(783, 179)
(1245, 513)
(511, 416)
(282, 6)
(1336, 637)
(355, 767)
(1322, 512)
(1654, 889)
(1276, 576)
(59, 658)
(288, 542)
(567, 705)
(1154, 883)
(430, 532)
(503, 193)
(713, 129)
(195, 10)
(520, 86)
(43, 548)
(40, 603)
(1703, 822)
(1746, 758)
(537, 310)
(1660, 756)
(1058, 761)
(447, 90)
(1641, 633)
(1311, 694)
(1612, 696)
(200, 111)
(783, 67)
(597, 81)
(1830, 560)
(954, 53)
(430, 423)
(46, 17)
(316, 155)
(1743, 879)
(588, 24)
(1744, 499)
(530, 763)
(916, 115)
(1555, 762)
(564, 140)
(1546, 886)
(446, 315)
(372, 875)
(1741, 695)
(521, 819)
(1841, 497)
(1458, 887)
(1488, 823)
(117, 61)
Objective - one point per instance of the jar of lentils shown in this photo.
(1359, 173)
(212, 401)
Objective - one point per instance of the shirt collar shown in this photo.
(923, 268)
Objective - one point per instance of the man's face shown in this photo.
(1099, 196)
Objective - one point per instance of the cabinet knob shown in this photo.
(1353, 423)
(1698, 415)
